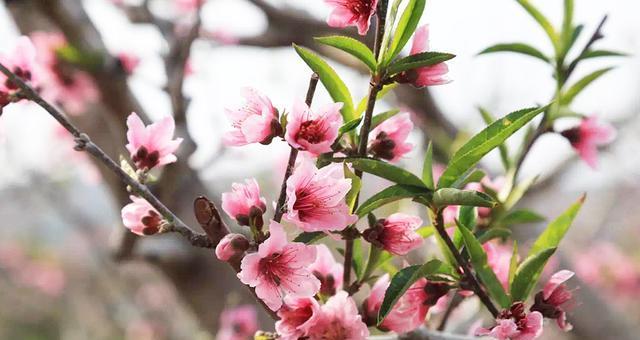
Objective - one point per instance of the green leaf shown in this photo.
(494, 233)
(504, 150)
(513, 263)
(575, 89)
(467, 216)
(479, 261)
(601, 53)
(520, 217)
(379, 118)
(407, 277)
(350, 125)
(357, 258)
(566, 34)
(385, 170)
(388, 195)
(356, 185)
(427, 167)
(362, 105)
(528, 274)
(406, 27)
(518, 192)
(450, 196)
(543, 22)
(330, 79)
(516, 48)
(353, 47)
(485, 141)
(474, 176)
(426, 231)
(555, 231)
(418, 60)
(310, 237)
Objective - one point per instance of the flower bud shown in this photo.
(231, 245)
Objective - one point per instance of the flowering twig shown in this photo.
(464, 264)
(83, 143)
(293, 155)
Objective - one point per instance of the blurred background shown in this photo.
(70, 270)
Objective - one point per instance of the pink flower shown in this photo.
(610, 269)
(338, 320)
(407, 314)
(244, 203)
(151, 145)
(280, 269)
(396, 234)
(239, 323)
(140, 217)
(515, 324)
(352, 13)
(313, 131)
(128, 61)
(256, 122)
(62, 82)
(327, 270)
(20, 61)
(390, 138)
(427, 75)
(588, 136)
(499, 259)
(296, 316)
(316, 198)
(230, 246)
(551, 301)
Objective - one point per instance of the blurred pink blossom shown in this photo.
(22, 62)
(128, 61)
(280, 269)
(515, 324)
(316, 198)
(588, 136)
(313, 131)
(426, 75)
(239, 323)
(152, 145)
(338, 320)
(327, 270)
(389, 138)
(553, 301)
(499, 259)
(296, 316)
(352, 13)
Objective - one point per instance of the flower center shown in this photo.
(360, 7)
(383, 146)
(151, 223)
(312, 131)
(145, 159)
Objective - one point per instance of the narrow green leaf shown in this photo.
(388, 195)
(518, 192)
(450, 196)
(479, 261)
(353, 47)
(427, 168)
(310, 237)
(350, 125)
(379, 118)
(418, 60)
(580, 85)
(472, 176)
(406, 27)
(555, 231)
(467, 216)
(516, 48)
(485, 141)
(426, 231)
(356, 185)
(542, 20)
(504, 150)
(602, 53)
(407, 277)
(385, 170)
(494, 233)
(528, 274)
(566, 33)
(513, 263)
(520, 217)
(362, 105)
(358, 258)
(330, 79)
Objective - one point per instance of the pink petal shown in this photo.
(555, 281)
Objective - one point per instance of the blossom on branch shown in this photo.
(327, 270)
(238, 323)
(552, 301)
(426, 75)
(21, 61)
(280, 269)
(140, 217)
(515, 324)
(255, 122)
(338, 320)
(231, 245)
(396, 234)
(352, 13)
(588, 136)
(389, 138)
(316, 198)
(244, 203)
(311, 131)
(152, 145)
(296, 317)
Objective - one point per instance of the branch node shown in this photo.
(81, 142)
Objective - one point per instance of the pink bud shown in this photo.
(231, 245)
(140, 217)
(352, 13)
